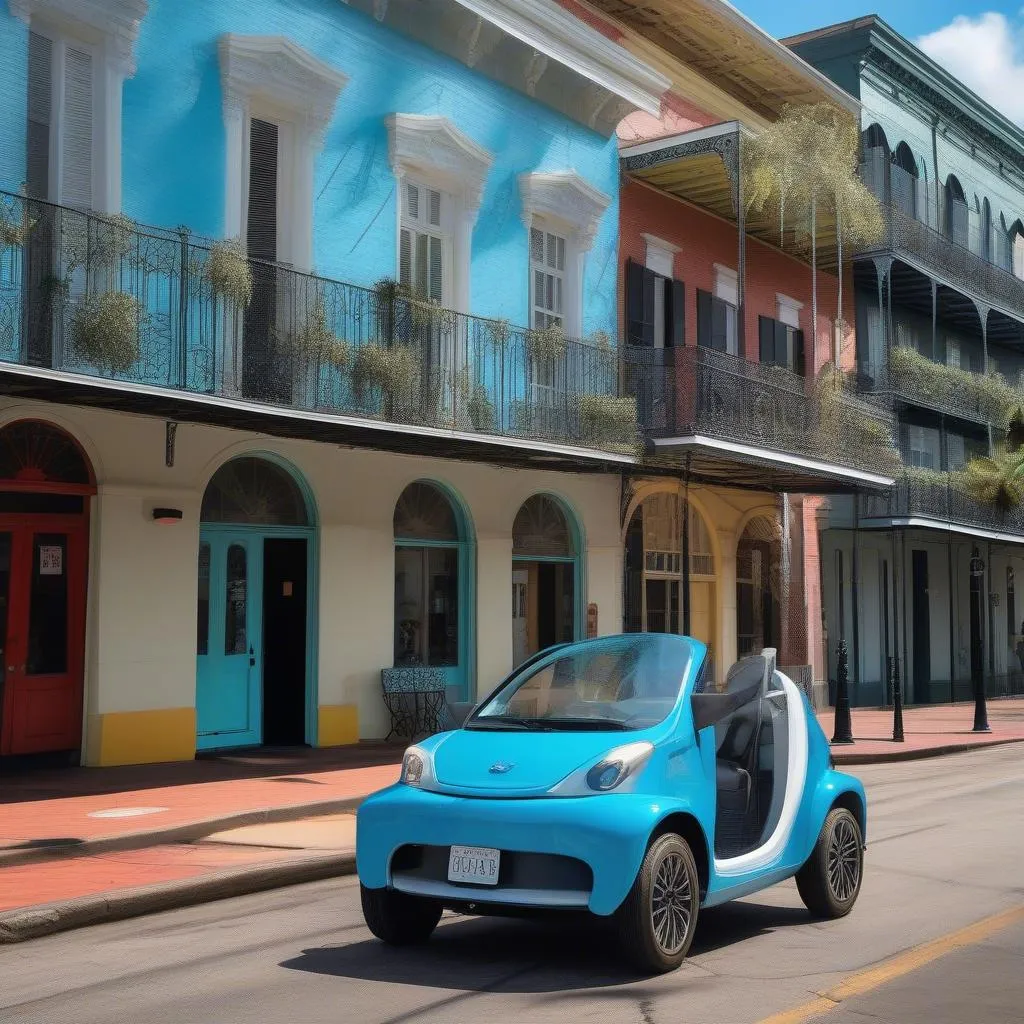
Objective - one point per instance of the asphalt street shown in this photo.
(946, 846)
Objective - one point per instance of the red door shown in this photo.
(42, 620)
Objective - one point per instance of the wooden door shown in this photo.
(43, 579)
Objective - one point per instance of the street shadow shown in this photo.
(474, 954)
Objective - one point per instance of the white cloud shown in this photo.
(986, 54)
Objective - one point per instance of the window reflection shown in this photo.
(203, 612)
(426, 606)
(48, 606)
(237, 599)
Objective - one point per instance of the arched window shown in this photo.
(758, 587)
(541, 530)
(957, 214)
(905, 191)
(428, 597)
(875, 150)
(1017, 249)
(250, 491)
(42, 470)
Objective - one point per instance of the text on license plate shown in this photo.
(474, 864)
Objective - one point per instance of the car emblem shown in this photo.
(500, 767)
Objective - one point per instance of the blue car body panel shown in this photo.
(468, 804)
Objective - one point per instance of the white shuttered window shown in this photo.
(424, 242)
(547, 278)
(60, 135)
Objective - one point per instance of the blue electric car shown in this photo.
(610, 777)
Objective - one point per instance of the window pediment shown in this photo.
(565, 198)
(116, 22)
(432, 148)
(275, 69)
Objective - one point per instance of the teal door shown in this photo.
(229, 669)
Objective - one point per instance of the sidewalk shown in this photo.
(80, 846)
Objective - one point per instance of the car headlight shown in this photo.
(414, 766)
(610, 773)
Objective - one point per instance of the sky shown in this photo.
(979, 41)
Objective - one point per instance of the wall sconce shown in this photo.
(166, 515)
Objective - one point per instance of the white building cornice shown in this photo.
(275, 69)
(561, 36)
(431, 146)
(566, 198)
(115, 22)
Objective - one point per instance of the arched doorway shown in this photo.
(45, 484)
(654, 598)
(758, 588)
(257, 608)
(546, 585)
(433, 596)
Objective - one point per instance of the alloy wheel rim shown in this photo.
(671, 904)
(844, 861)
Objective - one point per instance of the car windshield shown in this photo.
(613, 684)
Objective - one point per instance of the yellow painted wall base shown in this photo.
(337, 725)
(141, 737)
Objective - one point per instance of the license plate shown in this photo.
(474, 864)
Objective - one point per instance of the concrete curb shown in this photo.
(51, 918)
(844, 755)
(187, 833)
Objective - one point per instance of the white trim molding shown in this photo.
(115, 21)
(565, 199)
(552, 31)
(272, 78)
(660, 255)
(787, 307)
(432, 149)
(564, 204)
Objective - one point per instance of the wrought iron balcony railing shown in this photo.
(939, 497)
(943, 237)
(107, 298)
(687, 392)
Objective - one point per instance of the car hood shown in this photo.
(532, 760)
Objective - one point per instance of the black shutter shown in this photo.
(639, 305)
(675, 313)
(261, 233)
(704, 301)
(799, 356)
(719, 325)
(783, 353)
(766, 337)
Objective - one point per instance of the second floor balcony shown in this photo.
(938, 232)
(100, 310)
(732, 421)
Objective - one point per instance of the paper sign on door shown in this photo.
(51, 560)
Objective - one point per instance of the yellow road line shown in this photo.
(896, 967)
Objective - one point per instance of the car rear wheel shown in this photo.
(397, 918)
(829, 882)
(659, 916)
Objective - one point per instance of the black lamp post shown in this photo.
(844, 727)
(977, 668)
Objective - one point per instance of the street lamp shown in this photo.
(844, 727)
(977, 568)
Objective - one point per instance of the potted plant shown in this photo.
(229, 273)
(105, 330)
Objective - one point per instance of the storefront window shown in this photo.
(426, 579)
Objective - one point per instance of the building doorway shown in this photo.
(654, 591)
(254, 624)
(758, 588)
(546, 585)
(45, 484)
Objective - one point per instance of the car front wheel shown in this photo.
(659, 916)
(397, 918)
(829, 882)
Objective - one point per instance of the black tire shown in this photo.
(658, 918)
(397, 918)
(829, 882)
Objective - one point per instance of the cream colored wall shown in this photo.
(143, 580)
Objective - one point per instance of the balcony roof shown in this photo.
(701, 167)
(65, 388)
(729, 50)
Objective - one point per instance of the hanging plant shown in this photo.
(498, 333)
(393, 370)
(315, 340)
(105, 331)
(608, 421)
(14, 232)
(546, 345)
(229, 273)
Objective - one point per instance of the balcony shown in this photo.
(943, 238)
(98, 310)
(733, 422)
(927, 498)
